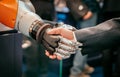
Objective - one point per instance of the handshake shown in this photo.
(59, 41)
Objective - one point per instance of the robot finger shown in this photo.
(62, 53)
(66, 47)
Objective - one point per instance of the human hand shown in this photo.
(62, 32)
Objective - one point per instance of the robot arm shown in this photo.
(20, 15)
(8, 12)
(27, 19)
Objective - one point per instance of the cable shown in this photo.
(60, 71)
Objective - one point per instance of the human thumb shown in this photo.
(54, 31)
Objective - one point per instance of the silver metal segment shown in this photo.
(63, 52)
(67, 42)
(66, 48)
(62, 55)
(66, 26)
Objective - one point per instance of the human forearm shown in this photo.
(103, 36)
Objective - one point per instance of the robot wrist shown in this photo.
(34, 28)
(37, 30)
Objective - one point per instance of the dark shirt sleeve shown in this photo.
(103, 36)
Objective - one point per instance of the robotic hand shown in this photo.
(20, 15)
(65, 47)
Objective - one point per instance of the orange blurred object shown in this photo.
(8, 12)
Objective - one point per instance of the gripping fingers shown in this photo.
(67, 48)
(62, 53)
(69, 42)
(66, 41)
